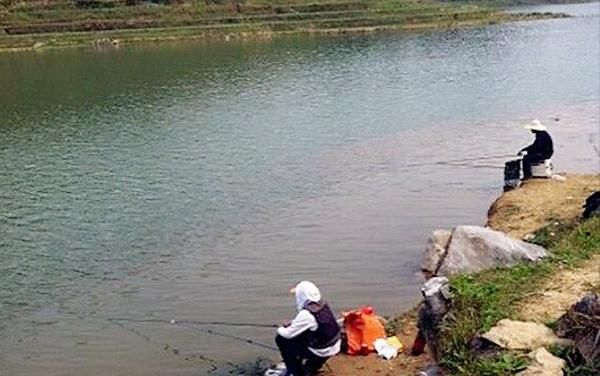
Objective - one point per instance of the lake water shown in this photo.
(202, 181)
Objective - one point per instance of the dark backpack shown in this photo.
(592, 205)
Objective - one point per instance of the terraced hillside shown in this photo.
(61, 22)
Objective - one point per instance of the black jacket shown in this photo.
(542, 147)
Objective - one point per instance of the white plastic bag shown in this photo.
(385, 349)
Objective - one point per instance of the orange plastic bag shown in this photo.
(362, 329)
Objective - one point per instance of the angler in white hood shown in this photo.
(312, 336)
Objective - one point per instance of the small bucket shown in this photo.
(512, 174)
(542, 169)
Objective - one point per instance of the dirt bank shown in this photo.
(539, 202)
(536, 204)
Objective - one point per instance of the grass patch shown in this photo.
(481, 299)
(253, 30)
(391, 326)
(547, 236)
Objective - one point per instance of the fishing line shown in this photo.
(167, 347)
(212, 363)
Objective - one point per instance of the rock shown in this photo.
(435, 305)
(520, 335)
(474, 248)
(37, 45)
(592, 205)
(544, 364)
(483, 348)
(431, 370)
(435, 251)
(581, 323)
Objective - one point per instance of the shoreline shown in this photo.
(562, 219)
(117, 38)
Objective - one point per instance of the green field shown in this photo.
(43, 23)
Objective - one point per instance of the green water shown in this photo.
(202, 180)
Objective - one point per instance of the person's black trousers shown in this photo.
(298, 359)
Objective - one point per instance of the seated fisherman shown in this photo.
(312, 336)
(540, 150)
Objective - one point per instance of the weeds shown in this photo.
(391, 326)
(548, 235)
(574, 366)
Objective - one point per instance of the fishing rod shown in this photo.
(248, 341)
(479, 158)
(469, 165)
(196, 326)
(459, 162)
(193, 322)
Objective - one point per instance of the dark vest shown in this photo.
(328, 331)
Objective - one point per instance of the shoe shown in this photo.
(278, 370)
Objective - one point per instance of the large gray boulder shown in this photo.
(474, 248)
(434, 251)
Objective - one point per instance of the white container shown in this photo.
(542, 170)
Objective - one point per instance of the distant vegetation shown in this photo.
(78, 15)
(25, 23)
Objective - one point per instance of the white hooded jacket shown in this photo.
(307, 292)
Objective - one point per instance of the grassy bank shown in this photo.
(60, 23)
(482, 299)
(509, 3)
(548, 208)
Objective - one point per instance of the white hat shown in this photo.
(536, 125)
